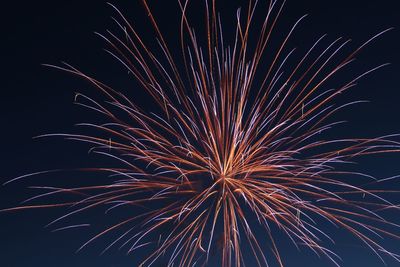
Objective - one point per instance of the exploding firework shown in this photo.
(230, 146)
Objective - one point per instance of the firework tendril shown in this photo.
(233, 144)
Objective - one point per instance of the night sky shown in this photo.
(38, 100)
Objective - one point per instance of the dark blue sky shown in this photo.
(37, 100)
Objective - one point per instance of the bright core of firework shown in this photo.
(233, 145)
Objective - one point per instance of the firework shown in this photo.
(229, 147)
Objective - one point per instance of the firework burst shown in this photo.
(229, 147)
